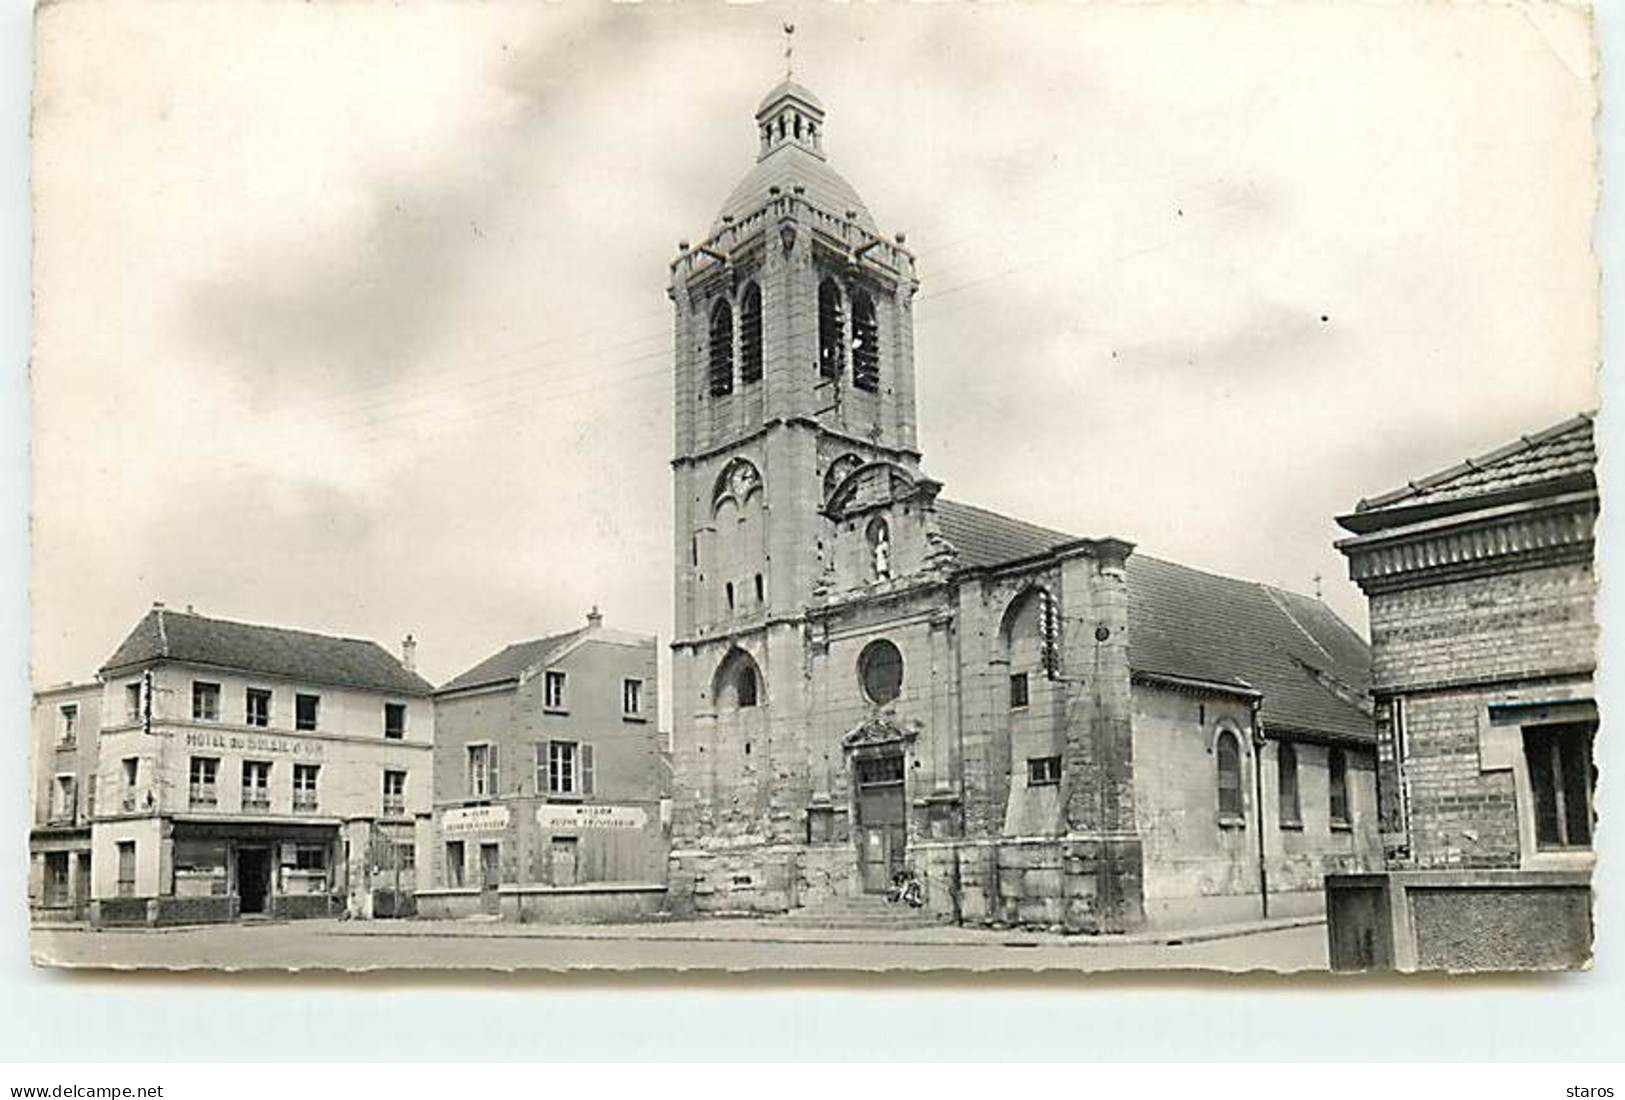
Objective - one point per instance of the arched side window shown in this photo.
(750, 335)
(831, 330)
(1286, 768)
(1227, 750)
(722, 350)
(738, 682)
(865, 343)
(1337, 781)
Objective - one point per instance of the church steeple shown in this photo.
(790, 115)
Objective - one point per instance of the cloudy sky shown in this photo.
(351, 317)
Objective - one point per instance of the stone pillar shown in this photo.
(358, 877)
(1102, 859)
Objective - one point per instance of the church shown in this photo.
(871, 680)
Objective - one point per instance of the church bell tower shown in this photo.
(793, 368)
(794, 354)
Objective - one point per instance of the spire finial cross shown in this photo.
(789, 50)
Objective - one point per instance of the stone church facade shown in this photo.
(870, 679)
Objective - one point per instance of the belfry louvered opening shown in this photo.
(831, 330)
(722, 350)
(865, 343)
(750, 335)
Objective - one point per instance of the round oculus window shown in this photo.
(880, 667)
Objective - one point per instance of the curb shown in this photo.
(993, 938)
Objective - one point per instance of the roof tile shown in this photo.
(163, 634)
(1189, 623)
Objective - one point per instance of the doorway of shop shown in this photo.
(253, 880)
(490, 877)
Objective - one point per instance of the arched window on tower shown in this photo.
(750, 335)
(722, 350)
(831, 330)
(865, 343)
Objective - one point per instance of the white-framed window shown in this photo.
(1043, 771)
(482, 770)
(205, 701)
(553, 690)
(394, 792)
(256, 785)
(306, 711)
(394, 721)
(63, 797)
(257, 707)
(202, 785)
(632, 697)
(67, 723)
(132, 701)
(1561, 781)
(565, 767)
(126, 868)
(305, 780)
(130, 773)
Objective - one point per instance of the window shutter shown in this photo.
(586, 768)
(468, 769)
(495, 771)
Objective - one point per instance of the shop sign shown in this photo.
(571, 817)
(474, 819)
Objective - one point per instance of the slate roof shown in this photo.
(163, 634)
(506, 665)
(1525, 467)
(1191, 624)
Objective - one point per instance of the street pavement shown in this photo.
(705, 945)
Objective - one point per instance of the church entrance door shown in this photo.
(882, 832)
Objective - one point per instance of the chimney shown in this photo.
(409, 653)
(595, 617)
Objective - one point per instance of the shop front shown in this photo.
(230, 870)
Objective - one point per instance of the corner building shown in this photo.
(1482, 587)
(254, 771)
(867, 677)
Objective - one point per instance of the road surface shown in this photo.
(709, 945)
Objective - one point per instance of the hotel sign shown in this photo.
(474, 819)
(258, 743)
(572, 817)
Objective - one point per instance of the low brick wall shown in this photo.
(208, 910)
(449, 903)
(594, 903)
(306, 906)
(112, 912)
(1469, 920)
(394, 903)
